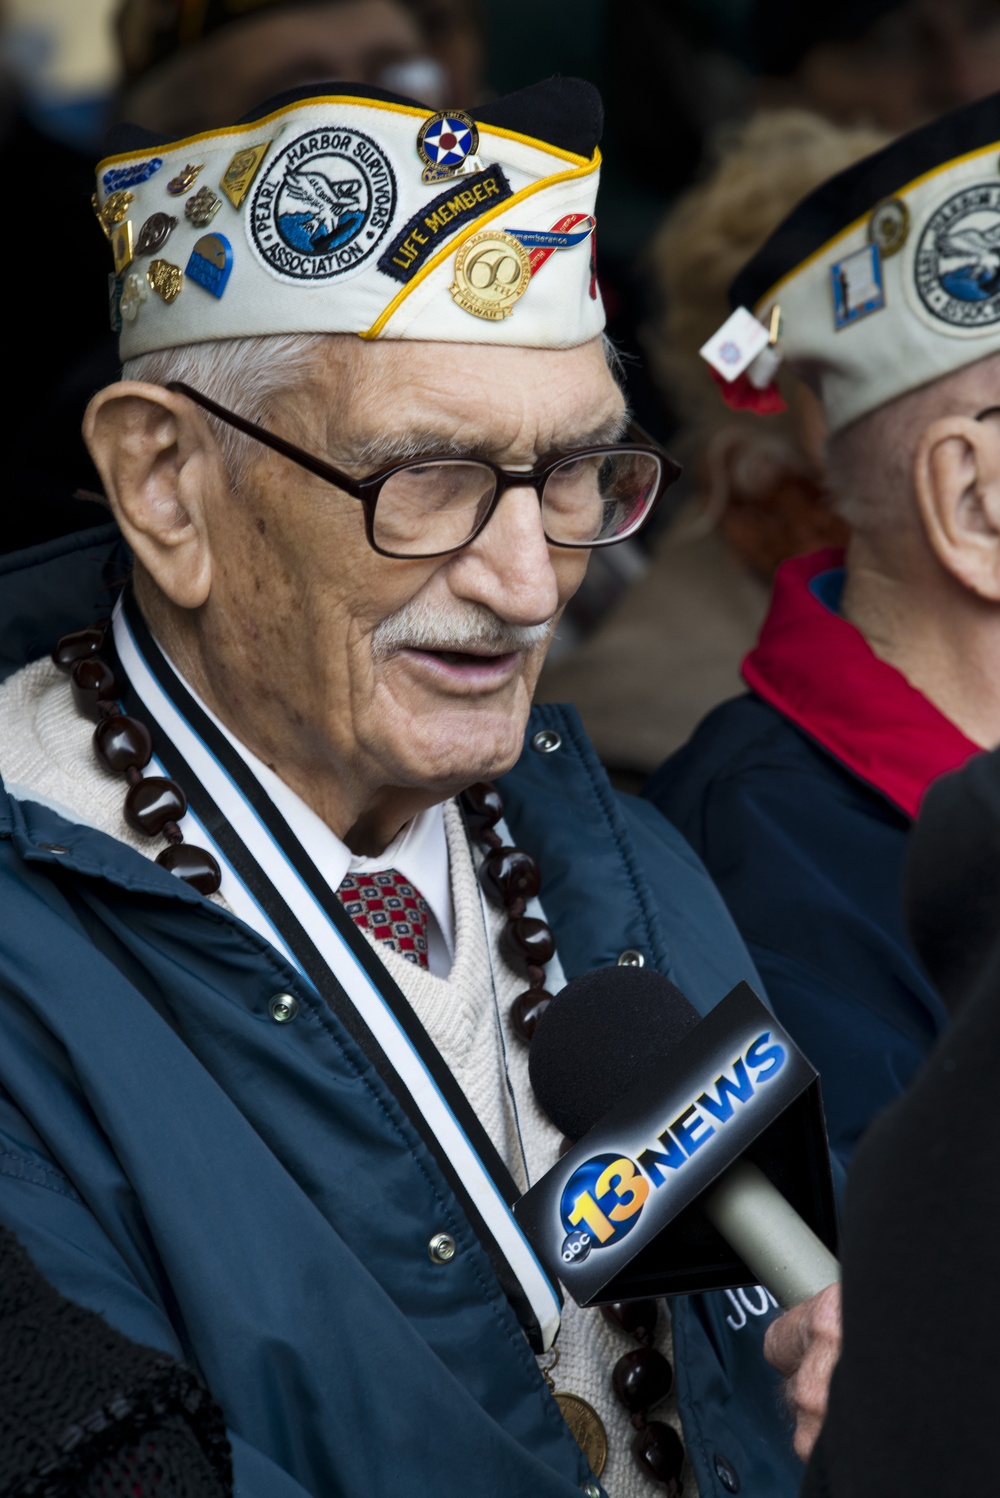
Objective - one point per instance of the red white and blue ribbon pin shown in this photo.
(566, 232)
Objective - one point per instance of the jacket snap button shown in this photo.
(547, 742)
(441, 1248)
(283, 1008)
(590, 1490)
(727, 1474)
(631, 958)
(53, 847)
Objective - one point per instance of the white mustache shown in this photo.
(473, 629)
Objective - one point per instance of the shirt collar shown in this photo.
(820, 672)
(419, 851)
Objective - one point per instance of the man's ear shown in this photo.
(956, 478)
(159, 463)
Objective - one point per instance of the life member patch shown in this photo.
(957, 263)
(465, 199)
(323, 206)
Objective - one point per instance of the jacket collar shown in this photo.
(819, 671)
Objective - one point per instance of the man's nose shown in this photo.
(509, 565)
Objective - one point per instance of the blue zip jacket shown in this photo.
(248, 1196)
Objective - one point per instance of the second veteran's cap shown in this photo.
(881, 280)
(346, 209)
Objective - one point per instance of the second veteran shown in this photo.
(876, 670)
(271, 947)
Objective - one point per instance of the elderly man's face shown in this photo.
(383, 672)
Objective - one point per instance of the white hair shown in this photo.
(251, 375)
(246, 375)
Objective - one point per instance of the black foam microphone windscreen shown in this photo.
(598, 1036)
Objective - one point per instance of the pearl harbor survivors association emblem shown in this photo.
(957, 265)
(323, 206)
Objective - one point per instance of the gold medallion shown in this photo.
(121, 245)
(165, 279)
(889, 226)
(184, 181)
(202, 208)
(239, 174)
(586, 1428)
(492, 271)
(113, 210)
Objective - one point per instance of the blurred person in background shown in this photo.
(455, 33)
(190, 68)
(892, 63)
(52, 112)
(671, 649)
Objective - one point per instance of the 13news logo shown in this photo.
(603, 1198)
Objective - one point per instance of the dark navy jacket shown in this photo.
(800, 798)
(249, 1197)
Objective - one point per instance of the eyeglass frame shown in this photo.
(367, 489)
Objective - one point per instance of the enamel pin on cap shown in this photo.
(447, 145)
(211, 262)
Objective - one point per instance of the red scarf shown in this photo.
(820, 672)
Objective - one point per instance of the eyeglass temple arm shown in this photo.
(270, 439)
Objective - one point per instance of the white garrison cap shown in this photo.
(349, 210)
(885, 278)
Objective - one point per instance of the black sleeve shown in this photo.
(912, 1402)
(86, 1413)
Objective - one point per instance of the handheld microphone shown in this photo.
(701, 1160)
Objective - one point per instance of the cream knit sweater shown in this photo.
(46, 754)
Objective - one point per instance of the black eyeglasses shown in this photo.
(430, 506)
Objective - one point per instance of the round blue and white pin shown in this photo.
(444, 144)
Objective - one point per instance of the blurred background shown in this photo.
(720, 116)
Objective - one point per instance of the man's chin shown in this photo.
(454, 753)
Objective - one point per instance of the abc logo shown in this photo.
(602, 1198)
(576, 1246)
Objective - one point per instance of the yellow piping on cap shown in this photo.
(258, 126)
(844, 233)
(475, 228)
(530, 140)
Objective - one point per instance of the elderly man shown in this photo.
(264, 1096)
(876, 672)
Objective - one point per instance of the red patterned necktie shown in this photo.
(391, 908)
